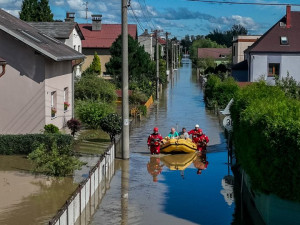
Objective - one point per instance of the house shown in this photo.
(149, 42)
(219, 55)
(99, 37)
(277, 52)
(239, 44)
(67, 32)
(37, 86)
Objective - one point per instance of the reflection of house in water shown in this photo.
(227, 191)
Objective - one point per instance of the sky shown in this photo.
(179, 17)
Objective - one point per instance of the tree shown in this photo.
(96, 64)
(141, 68)
(225, 38)
(111, 124)
(73, 125)
(36, 11)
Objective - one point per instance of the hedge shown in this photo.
(25, 144)
(266, 136)
(218, 92)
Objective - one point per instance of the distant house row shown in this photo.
(38, 63)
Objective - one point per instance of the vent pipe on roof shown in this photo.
(288, 16)
(70, 17)
(96, 24)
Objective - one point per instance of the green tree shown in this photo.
(36, 11)
(111, 124)
(141, 68)
(96, 64)
(202, 43)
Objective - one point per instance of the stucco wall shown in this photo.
(147, 43)
(58, 76)
(289, 63)
(22, 98)
(103, 54)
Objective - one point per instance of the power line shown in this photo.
(146, 18)
(148, 13)
(136, 18)
(245, 3)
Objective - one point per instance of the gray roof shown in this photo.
(37, 40)
(59, 30)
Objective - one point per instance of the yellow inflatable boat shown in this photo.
(179, 161)
(178, 145)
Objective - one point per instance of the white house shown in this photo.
(277, 52)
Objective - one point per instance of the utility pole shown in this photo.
(172, 56)
(157, 65)
(125, 101)
(167, 51)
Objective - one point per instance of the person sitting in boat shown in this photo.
(195, 133)
(201, 141)
(173, 134)
(154, 141)
(183, 134)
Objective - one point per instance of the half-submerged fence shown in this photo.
(80, 207)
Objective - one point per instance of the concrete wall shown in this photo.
(22, 96)
(258, 67)
(58, 77)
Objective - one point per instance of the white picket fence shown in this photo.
(81, 205)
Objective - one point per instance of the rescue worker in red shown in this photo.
(154, 167)
(154, 141)
(200, 163)
(201, 141)
(195, 133)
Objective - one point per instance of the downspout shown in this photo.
(74, 64)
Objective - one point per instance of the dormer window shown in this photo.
(284, 40)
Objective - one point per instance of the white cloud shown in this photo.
(246, 22)
(13, 12)
(59, 2)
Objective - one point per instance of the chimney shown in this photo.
(70, 17)
(288, 16)
(96, 24)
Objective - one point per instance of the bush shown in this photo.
(56, 161)
(96, 65)
(266, 134)
(138, 97)
(26, 143)
(143, 110)
(51, 129)
(91, 112)
(219, 92)
(73, 125)
(111, 124)
(95, 88)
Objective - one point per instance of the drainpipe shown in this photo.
(74, 64)
(3, 64)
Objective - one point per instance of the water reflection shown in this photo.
(200, 162)
(154, 167)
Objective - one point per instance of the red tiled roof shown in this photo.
(270, 41)
(244, 84)
(104, 37)
(215, 53)
(119, 93)
(162, 41)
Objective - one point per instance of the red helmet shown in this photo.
(155, 129)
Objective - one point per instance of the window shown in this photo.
(284, 40)
(53, 104)
(74, 47)
(273, 69)
(233, 51)
(79, 48)
(66, 99)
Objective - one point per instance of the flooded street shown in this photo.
(173, 189)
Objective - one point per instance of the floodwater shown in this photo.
(173, 189)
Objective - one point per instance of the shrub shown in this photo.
(266, 132)
(143, 110)
(96, 65)
(138, 97)
(95, 88)
(220, 92)
(91, 112)
(56, 161)
(73, 125)
(26, 143)
(51, 129)
(111, 124)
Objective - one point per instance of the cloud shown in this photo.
(59, 2)
(184, 14)
(227, 22)
(13, 12)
